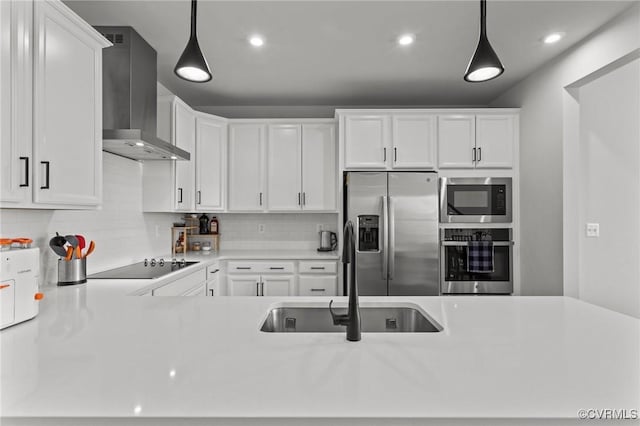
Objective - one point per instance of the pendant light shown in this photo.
(484, 64)
(192, 66)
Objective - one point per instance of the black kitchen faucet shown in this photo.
(352, 318)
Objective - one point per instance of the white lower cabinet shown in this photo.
(317, 285)
(213, 287)
(261, 285)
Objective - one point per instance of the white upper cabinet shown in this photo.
(366, 141)
(211, 162)
(67, 93)
(319, 167)
(456, 141)
(298, 159)
(51, 107)
(476, 141)
(284, 167)
(170, 185)
(414, 141)
(246, 167)
(184, 137)
(390, 141)
(495, 138)
(16, 182)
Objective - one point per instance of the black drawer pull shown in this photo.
(317, 289)
(243, 267)
(277, 268)
(318, 267)
(26, 172)
(48, 165)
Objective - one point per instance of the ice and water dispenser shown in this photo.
(368, 233)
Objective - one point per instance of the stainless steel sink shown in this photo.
(374, 319)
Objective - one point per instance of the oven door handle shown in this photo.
(466, 243)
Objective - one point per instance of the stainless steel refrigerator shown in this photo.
(396, 220)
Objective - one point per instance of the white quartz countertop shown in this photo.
(94, 352)
(262, 255)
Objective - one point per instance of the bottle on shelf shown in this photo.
(213, 227)
(204, 224)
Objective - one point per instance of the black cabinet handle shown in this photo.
(317, 289)
(473, 155)
(211, 291)
(261, 198)
(257, 289)
(48, 166)
(299, 202)
(317, 267)
(26, 171)
(384, 154)
(243, 267)
(479, 154)
(304, 198)
(199, 197)
(395, 154)
(277, 268)
(180, 198)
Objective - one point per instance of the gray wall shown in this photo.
(540, 97)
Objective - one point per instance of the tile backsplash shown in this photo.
(274, 231)
(123, 234)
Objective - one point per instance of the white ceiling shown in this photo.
(345, 52)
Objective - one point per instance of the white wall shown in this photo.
(609, 266)
(123, 234)
(540, 97)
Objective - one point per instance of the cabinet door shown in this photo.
(243, 285)
(366, 140)
(67, 107)
(211, 163)
(318, 285)
(184, 137)
(495, 137)
(15, 103)
(246, 167)
(319, 167)
(278, 285)
(284, 169)
(414, 141)
(456, 141)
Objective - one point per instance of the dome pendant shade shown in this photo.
(485, 64)
(192, 65)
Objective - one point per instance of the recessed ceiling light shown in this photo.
(406, 39)
(256, 41)
(553, 38)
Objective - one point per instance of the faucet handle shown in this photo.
(338, 319)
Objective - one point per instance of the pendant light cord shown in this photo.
(194, 10)
(483, 18)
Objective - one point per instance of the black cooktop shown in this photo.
(142, 271)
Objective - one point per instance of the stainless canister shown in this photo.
(72, 271)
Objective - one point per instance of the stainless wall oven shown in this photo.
(457, 277)
(475, 200)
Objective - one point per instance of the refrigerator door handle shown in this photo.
(392, 238)
(385, 240)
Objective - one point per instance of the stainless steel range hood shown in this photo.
(129, 99)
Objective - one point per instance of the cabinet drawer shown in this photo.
(315, 267)
(260, 267)
(182, 285)
(320, 285)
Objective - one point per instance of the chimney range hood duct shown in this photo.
(129, 98)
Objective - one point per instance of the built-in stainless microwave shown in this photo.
(475, 200)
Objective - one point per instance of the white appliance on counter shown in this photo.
(19, 294)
